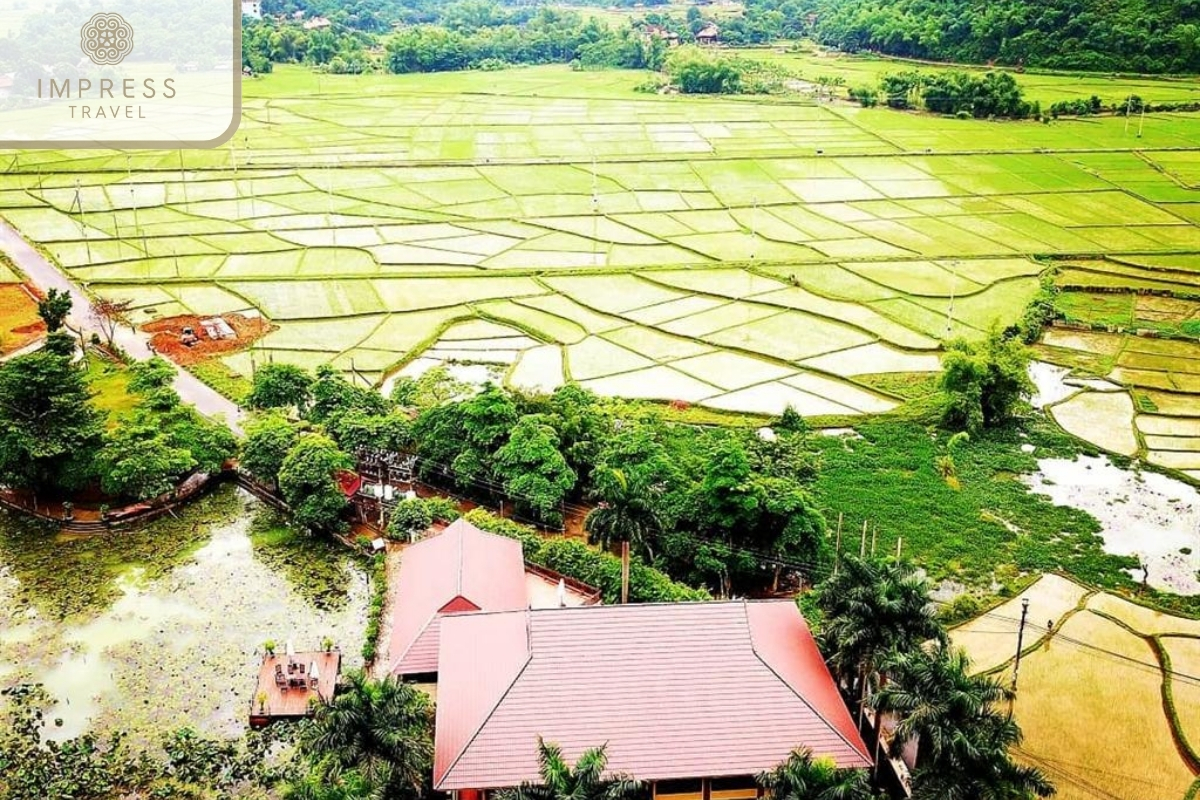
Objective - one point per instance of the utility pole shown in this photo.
(87, 239)
(1020, 640)
(624, 572)
(754, 230)
(950, 307)
(1128, 108)
(837, 549)
(1142, 121)
(862, 546)
(899, 543)
(183, 181)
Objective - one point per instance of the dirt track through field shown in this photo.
(46, 276)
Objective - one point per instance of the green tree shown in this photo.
(281, 386)
(307, 482)
(356, 428)
(583, 423)
(376, 734)
(140, 461)
(627, 510)
(459, 439)
(210, 443)
(802, 777)
(54, 309)
(533, 470)
(49, 431)
(587, 780)
(873, 608)
(333, 394)
(410, 517)
(963, 736)
(986, 383)
(434, 387)
(269, 439)
(697, 71)
(146, 376)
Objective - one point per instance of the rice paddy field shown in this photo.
(743, 254)
(1133, 351)
(1101, 679)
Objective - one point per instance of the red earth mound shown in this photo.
(169, 335)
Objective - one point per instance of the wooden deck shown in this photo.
(296, 698)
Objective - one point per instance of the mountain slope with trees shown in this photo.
(1148, 36)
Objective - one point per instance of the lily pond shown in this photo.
(163, 627)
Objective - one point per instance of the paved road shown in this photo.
(46, 276)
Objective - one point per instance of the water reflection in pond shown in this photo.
(160, 628)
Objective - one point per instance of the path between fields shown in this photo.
(46, 276)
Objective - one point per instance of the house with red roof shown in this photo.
(459, 570)
(695, 699)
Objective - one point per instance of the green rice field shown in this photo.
(744, 254)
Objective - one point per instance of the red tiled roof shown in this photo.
(681, 690)
(460, 569)
(349, 482)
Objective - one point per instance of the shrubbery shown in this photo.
(576, 560)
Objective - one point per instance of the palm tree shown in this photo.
(803, 777)
(874, 607)
(381, 731)
(586, 781)
(627, 512)
(963, 739)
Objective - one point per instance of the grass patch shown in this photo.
(109, 382)
(225, 380)
(990, 529)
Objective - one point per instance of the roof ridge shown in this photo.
(492, 711)
(420, 632)
(792, 689)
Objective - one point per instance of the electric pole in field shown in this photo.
(754, 230)
(1020, 641)
(950, 307)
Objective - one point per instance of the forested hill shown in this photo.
(1101, 35)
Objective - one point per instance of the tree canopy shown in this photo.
(307, 482)
(986, 382)
(49, 432)
(1121, 36)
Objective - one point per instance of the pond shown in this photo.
(163, 627)
(1141, 513)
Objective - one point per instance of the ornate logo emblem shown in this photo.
(106, 39)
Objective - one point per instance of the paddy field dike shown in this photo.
(743, 254)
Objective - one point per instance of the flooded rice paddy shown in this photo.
(163, 627)
(1141, 513)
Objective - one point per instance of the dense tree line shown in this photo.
(549, 36)
(708, 506)
(966, 94)
(54, 441)
(1152, 36)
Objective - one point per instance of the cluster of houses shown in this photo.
(694, 699)
(253, 10)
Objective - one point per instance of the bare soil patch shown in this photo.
(20, 324)
(168, 336)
